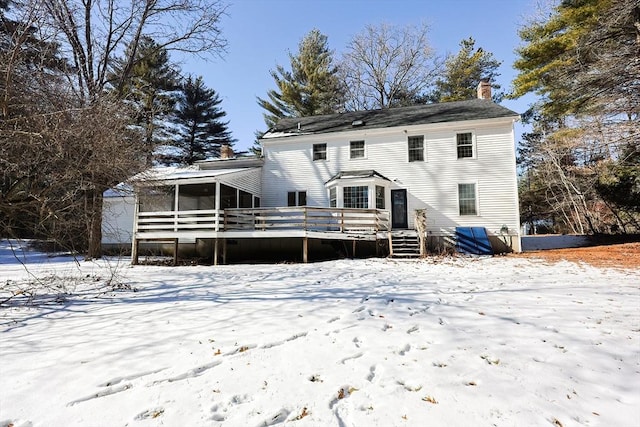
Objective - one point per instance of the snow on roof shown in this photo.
(174, 173)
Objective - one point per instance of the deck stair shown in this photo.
(404, 244)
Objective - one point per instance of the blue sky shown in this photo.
(262, 32)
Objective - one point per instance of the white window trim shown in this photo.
(364, 157)
(477, 198)
(474, 145)
(424, 148)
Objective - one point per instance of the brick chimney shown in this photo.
(226, 152)
(484, 89)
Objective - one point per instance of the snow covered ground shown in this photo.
(377, 342)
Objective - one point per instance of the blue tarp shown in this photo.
(473, 241)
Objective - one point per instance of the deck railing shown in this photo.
(339, 220)
(342, 220)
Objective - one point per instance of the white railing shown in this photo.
(176, 221)
(339, 220)
(342, 220)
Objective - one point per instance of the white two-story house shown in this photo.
(434, 171)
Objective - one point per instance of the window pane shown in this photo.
(302, 198)
(291, 198)
(464, 145)
(245, 199)
(416, 148)
(228, 197)
(256, 202)
(356, 149)
(467, 199)
(319, 151)
(356, 197)
(379, 197)
(333, 200)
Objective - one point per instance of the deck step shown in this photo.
(405, 244)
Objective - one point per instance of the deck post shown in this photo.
(305, 249)
(224, 251)
(175, 252)
(390, 244)
(134, 252)
(216, 246)
(353, 249)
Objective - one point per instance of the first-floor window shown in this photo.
(333, 199)
(297, 198)
(379, 197)
(467, 199)
(356, 197)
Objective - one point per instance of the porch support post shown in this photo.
(217, 207)
(175, 207)
(175, 252)
(305, 249)
(353, 249)
(390, 244)
(216, 246)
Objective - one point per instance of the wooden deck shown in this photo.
(258, 223)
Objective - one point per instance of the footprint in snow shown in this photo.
(405, 350)
(150, 413)
(279, 417)
(15, 423)
(413, 329)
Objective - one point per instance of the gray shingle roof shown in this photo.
(475, 109)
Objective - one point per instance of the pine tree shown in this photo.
(200, 128)
(311, 87)
(150, 87)
(463, 72)
(581, 59)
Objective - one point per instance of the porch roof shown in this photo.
(182, 173)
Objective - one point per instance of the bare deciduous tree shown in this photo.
(63, 119)
(387, 65)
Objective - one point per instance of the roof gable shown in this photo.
(475, 109)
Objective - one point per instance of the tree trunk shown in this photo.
(94, 225)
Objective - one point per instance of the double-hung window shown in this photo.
(333, 197)
(416, 148)
(356, 197)
(297, 198)
(356, 150)
(464, 145)
(319, 152)
(467, 199)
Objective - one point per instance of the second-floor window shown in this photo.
(416, 148)
(464, 144)
(356, 150)
(319, 152)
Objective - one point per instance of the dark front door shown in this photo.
(399, 209)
